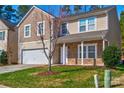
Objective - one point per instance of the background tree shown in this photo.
(1, 9)
(122, 27)
(94, 7)
(84, 8)
(9, 13)
(66, 9)
(77, 8)
(22, 10)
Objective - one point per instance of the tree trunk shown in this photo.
(49, 65)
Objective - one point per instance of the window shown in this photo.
(91, 24)
(79, 51)
(87, 24)
(84, 51)
(89, 51)
(82, 25)
(41, 28)
(64, 29)
(27, 31)
(2, 35)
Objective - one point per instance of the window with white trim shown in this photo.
(87, 24)
(82, 25)
(80, 53)
(41, 28)
(27, 30)
(91, 23)
(64, 29)
(89, 51)
(2, 35)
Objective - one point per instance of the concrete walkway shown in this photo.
(12, 68)
(2, 86)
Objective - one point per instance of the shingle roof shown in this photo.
(9, 24)
(87, 14)
(93, 35)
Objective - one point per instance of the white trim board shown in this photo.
(29, 31)
(43, 27)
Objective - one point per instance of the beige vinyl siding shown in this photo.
(101, 24)
(73, 27)
(114, 33)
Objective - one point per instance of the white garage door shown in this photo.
(34, 57)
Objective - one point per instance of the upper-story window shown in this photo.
(27, 30)
(87, 24)
(64, 29)
(82, 25)
(41, 28)
(2, 35)
(91, 24)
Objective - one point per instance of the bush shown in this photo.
(3, 58)
(111, 56)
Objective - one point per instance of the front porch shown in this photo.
(82, 53)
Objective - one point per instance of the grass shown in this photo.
(70, 77)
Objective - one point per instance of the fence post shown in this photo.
(107, 79)
(96, 81)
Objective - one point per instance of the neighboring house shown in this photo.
(82, 37)
(30, 49)
(8, 40)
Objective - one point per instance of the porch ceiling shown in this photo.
(93, 35)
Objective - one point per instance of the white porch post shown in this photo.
(103, 44)
(64, 55)
(82, 49)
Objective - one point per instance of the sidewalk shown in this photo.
(2, 86)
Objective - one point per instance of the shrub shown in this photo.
(111, 56)
(3, 58)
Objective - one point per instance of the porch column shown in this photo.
(64, 55)
(82, 49)
(103, 44)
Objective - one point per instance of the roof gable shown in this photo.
(30, 12)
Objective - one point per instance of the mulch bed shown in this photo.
(47, 73)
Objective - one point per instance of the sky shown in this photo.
(56, 8)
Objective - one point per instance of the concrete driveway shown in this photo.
(12, 68)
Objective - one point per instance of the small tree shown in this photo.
(3, 57)
(53, 28)
(111, 56)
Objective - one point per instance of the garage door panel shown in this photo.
(34, 57)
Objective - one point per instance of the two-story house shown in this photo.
(8, 40)
(82, 39)
(84, 36)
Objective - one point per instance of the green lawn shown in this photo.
(70, 77)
